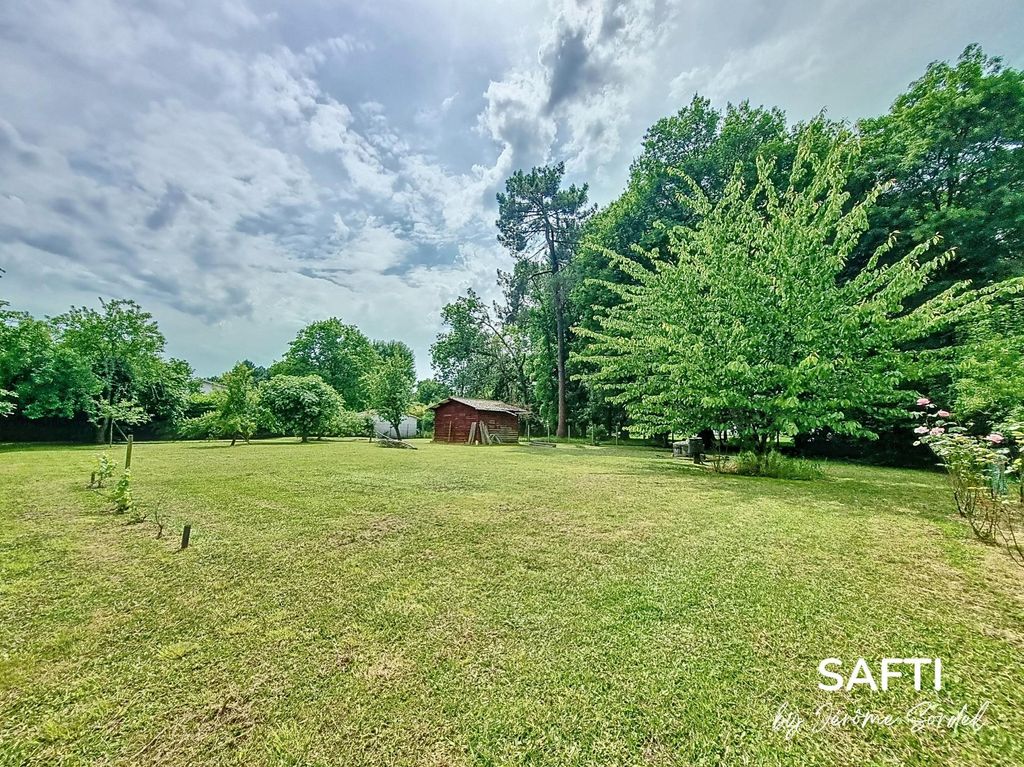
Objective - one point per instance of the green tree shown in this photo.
(6, 405)
(235, 410)
(45, 378)
(397, 350)
(751, 326)
(259, 373)
(953, 145)
(699, 143)
(340, 354)
(390, 388)
(303, 406)
(430, 392)
(122, 411)
(988, 369)
(237, 403)
(537, 218)
(168, 396)
(122, 346)
(480, 355)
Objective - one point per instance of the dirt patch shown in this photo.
(377, 530)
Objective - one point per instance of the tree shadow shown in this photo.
(226, 445)
(860, 490)
(18, 447)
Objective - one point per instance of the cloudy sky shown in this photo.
(242, 167)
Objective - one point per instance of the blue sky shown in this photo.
(241, 168)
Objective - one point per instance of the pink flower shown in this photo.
(943, 414)
(936, 431)
(924, 401)
(921, 430)
(995, 438)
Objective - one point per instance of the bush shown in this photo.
(984, 474)
(776, 466)
(205, 426)
(104, 470)
(349, 424)
(304, 406)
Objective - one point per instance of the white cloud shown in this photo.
(241, 170)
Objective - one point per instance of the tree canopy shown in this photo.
(340, 354)
(389, 387)
(478, 354)
(303, 406)
(539, 219)
(952, 147)
(750, 325)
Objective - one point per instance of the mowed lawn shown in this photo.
(346, 604)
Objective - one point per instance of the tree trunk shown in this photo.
(305, 438)
(556, 285)
(233, 441)
(761, 443)
(561, 431)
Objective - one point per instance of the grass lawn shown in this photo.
(345, 604)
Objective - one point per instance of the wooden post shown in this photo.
(185, 535)
(128, 452)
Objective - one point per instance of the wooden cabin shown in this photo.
(476, 421)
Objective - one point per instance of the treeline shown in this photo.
(758, 279)
(106, 367)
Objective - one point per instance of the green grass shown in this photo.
(345, 604)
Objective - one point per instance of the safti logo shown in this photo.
(838, 712)
(923, 671)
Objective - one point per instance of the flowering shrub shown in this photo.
(984, 473)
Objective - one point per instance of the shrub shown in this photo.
(776, 466)
(122, 497)
(300, 405)
(984, 474)
(104, 470)
(349, 424)
(205, 426)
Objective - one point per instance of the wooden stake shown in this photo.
(128, 453)
(185, 535)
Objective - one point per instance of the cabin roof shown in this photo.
(486, 405)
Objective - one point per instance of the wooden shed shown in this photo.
(476, 421)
